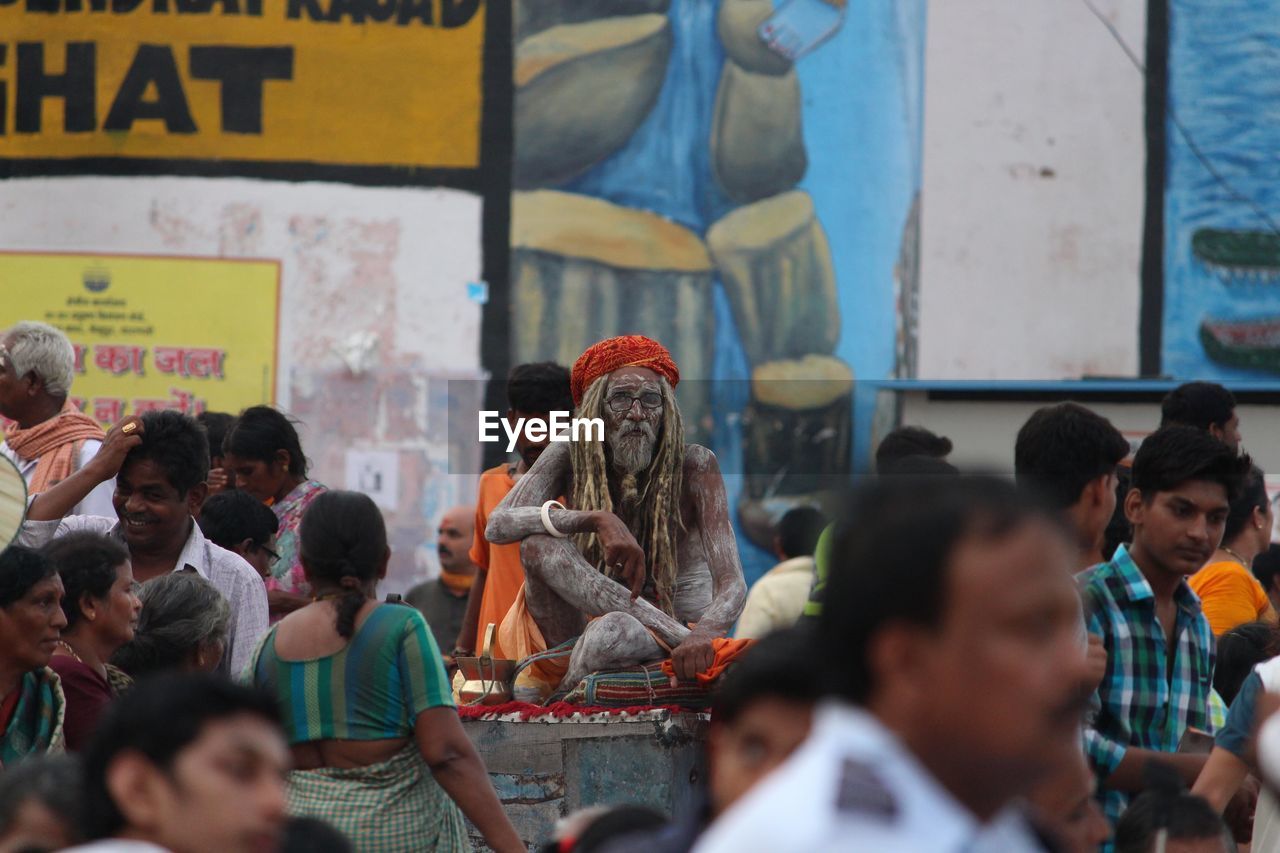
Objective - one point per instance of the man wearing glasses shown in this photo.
(652, 551)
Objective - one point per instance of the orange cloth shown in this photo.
(623, 351)
(54, 444)
(456, 582)
(1230, 595)
(520, 637)
(504, 573)
(726, 652)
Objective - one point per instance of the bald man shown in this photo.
(443, 601)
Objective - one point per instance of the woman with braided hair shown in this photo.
(377, 745)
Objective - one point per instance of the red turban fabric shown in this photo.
(614, 353)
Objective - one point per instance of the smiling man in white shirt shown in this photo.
(954, 674)
(159, 462)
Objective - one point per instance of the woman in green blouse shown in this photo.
(377, 745)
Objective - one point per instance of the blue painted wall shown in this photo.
(862, 118)
(1224, 88)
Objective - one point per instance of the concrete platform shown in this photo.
(546, 768)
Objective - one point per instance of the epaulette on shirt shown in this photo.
(861, 792)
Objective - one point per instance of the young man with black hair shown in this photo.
(1142, 607)
(909, 441)
(241, 523)
(160, 462)
(187, 764)
(1068, 455)
(953, 681)
(1206, 406)
(778, 598)
(533, 391)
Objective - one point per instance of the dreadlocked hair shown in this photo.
(651, 498)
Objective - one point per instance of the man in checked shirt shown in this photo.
(1160, 651)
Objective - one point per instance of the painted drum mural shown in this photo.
(739, 181)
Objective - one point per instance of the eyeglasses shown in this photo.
(275, 558)
(621, 402)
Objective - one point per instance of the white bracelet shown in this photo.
(546, 519)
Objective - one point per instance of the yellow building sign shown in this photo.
(153, 332)
(335, 82)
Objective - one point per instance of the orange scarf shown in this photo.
(54, 444)
(726, 652)
(456, 582)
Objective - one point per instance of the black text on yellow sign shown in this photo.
(369, 82)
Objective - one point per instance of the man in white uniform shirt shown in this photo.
(49, 437)
(159, 462)
(955, 680)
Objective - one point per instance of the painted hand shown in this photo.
(622, 554)
(692, 656)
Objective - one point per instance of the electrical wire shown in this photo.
(1236, 194)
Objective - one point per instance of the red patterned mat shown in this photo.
(525, 711)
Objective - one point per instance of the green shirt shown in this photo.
(821, 565)
(373, 688)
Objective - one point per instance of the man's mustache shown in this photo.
(643, 427)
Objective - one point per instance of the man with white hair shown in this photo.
(51, 438)
(675, 594)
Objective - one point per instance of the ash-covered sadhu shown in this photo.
(645, 544)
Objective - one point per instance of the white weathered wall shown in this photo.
(1033, 190)
(984, 433)
(374, 312)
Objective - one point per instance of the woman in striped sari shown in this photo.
(377, 744)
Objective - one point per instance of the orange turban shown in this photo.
(614, 353)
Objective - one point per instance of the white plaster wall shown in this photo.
(352, 258)
(1032, 190)
(374, 317)
(984, 432)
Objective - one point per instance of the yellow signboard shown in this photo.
(338, 82)
(192, 334)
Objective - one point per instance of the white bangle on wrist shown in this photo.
(546, 519)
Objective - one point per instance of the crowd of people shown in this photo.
(1077, 659)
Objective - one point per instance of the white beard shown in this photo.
(632, 449)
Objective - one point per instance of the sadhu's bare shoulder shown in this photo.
(699, 461)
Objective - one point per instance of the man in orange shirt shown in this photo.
(1229, 593)
(533, 391)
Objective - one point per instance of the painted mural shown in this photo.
(740, 181)
(1222, 197)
